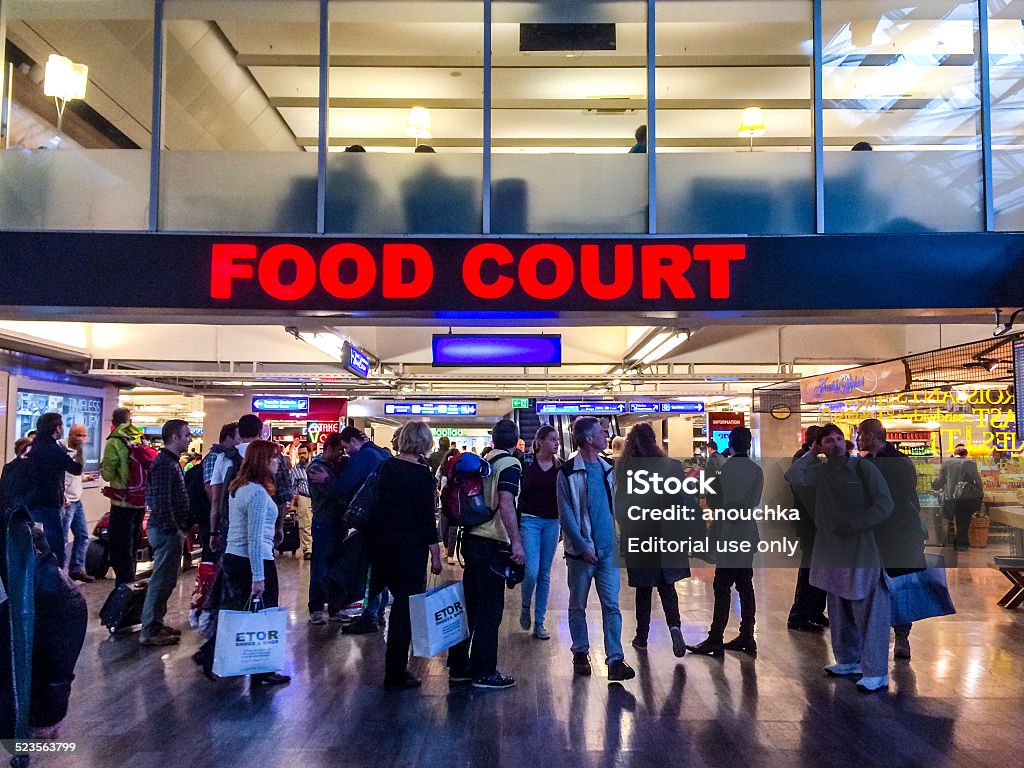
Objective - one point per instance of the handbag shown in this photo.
(251, 641)
(965, 489)
(438, 619)
(921, 594)
(361, 509)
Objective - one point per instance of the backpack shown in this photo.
(16, 481)
(236, 463)
(134, 493)
(462, 498)
(198, 501)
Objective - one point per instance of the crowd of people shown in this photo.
(859, 508)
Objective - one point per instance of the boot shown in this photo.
(742, 642)
(901, 646)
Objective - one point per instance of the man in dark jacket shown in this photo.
(900, 537)
(325, 583)
(49, 462)
(808, 611)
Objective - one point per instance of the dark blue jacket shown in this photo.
(49, 461)
(361, 465)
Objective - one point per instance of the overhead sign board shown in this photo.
(429, 409)
(580, 408)
(317, 431)
(649, 407)
(280, 404)
(519, 403)
(490, 349)
(866, 381)
(355, 360)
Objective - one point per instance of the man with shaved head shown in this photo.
(900, 537)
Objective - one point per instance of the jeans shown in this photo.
(605, 577)
(743, 578)
(377, 598)
(51, 518)
(124, 537)
(540, 539)
(324, 581)
(74, 523)
(485, 603)
(163, 578)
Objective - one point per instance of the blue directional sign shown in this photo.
(429, 409)
(280, 404)
(355, 360)
(580, 408)
(650, 407)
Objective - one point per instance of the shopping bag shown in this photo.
(249, 643)
(438, 619)
(922, 594)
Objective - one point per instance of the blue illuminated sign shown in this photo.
(477, 349)
(648, 407)
(580, 408)
(280, 404)
(354, 360)
(430, 409)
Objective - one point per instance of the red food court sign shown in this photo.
(485, 272)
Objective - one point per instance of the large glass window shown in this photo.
(406, 119)
(1006, 51)
(238, 156)
(734, 122)
(902, 82)
(569, 93)
(92, 172)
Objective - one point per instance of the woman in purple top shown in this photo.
(539, 527)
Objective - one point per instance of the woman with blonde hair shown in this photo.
(399, 535)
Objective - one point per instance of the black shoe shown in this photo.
(678, 644)
(640, 643)
(804, 625)
(205, 663)
(495, 681)
(402, 685)
(619, 671)
(81, 576)
(743, 643)
(381, 621)
(821, 620)
(581, 664)
(360, 627)
(459, 677)
(271, 678)
(708, 648)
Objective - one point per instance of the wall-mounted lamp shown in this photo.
(752, 124)
(64, 80)
(419, 124)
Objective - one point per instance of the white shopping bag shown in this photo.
(438, 619)
(249, 643)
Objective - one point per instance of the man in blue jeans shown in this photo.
(49, 463)
(74, 510)
(585, 493)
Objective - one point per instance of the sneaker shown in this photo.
(524, 618)
(708, 648)
(869, 684)
(901, 647)
(318, 617)
(843, 670)
(540, 632)
(271, 678)
(81, 576)
(166, 630)
(639, 642)
(678, 644)
(741, 643)
(495, 680)
(360, 627)
(459, 677)
(159, 639)
(581, 664)
(619, 670)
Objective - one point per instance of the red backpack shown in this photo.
(139, 459)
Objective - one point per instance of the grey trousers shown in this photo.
(162, 579)
(860, 630)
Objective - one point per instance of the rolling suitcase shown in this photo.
(123, 608)
(290, 543)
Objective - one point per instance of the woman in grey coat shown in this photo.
(851, 498)
(641, 443)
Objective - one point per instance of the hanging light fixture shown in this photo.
(64, 80)
(752, 124)
(419, 124)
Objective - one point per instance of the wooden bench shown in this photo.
(1013, 517)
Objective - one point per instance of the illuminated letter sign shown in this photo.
(866, 381)
(429, 409)
(280, 404)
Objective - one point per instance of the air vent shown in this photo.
(566, 37)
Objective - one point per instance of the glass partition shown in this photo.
(1006, 61)
(900, 82)
(80, 162)
(406, 117)
(240, 116)
(734, 117)
(569, 87)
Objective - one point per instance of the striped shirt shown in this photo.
(299, 479)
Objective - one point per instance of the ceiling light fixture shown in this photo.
(64, 80)
(752, 124)
(419, 124)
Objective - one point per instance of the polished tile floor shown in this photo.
(959, 702)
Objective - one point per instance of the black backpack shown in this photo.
(16, 481)
(198, 501)
(236, 463)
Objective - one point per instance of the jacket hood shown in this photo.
(127, 431)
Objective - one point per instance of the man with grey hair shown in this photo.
(585, 492)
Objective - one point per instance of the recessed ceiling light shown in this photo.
(455, 74)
